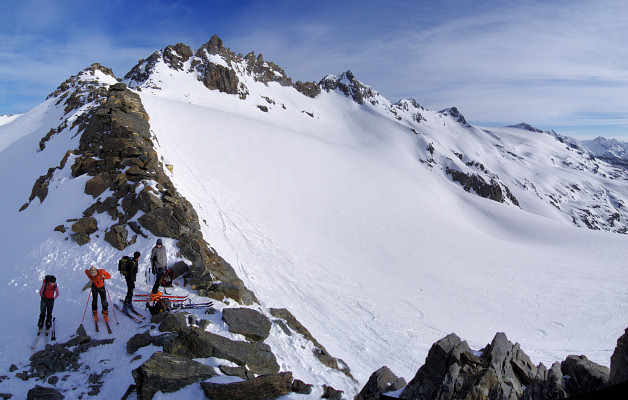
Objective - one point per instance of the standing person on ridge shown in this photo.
(158, 260)
(48, 293)
(131, 273)
(97, 278)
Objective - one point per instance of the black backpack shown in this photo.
(50, 278)
(122, 265)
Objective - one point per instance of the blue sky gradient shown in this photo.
(559, 65)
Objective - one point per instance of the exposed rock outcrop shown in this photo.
(310, 89)
(350, 86)
(501, 370)
(263, 387)
(455, 114)
(381, 381)
(217, 67)
(194, 343)
(492, 190)
(252, 324)
(582, 375)
(44, 393)
(58, 358)
(619, 361)
(168, 373)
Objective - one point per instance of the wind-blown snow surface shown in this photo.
(332, 216)
(335, 218)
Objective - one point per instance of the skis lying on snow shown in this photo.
(134, 318)
(187, 306)
(167, 296)
(172, 299)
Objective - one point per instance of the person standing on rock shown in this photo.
(158, 260)
(131, 273)
(97, 278)
(48, 293)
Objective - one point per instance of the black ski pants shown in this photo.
(45, 312)
(130, 285)
(102, 292)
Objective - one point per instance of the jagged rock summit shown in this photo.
(216, 66)
(501, 370)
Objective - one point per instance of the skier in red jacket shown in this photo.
(97, 278)
(48, 293)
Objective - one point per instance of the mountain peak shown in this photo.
(526, 127)
(454, 113)
(350, 86)
(406, 104)
(84, 87)
(215, 45)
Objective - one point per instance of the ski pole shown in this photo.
(88, 296)
(112, 307)
(54, 329)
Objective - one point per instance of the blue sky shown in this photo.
(559, 65)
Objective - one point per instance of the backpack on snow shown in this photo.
(167, 278)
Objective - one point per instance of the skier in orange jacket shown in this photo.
(97, 278)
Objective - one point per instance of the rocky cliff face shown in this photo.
(217, 67)
(129, 184)
(501, 370)
(350, 86)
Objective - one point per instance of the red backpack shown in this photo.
(50, 284)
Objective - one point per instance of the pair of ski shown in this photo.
(39, 331)
(172, 298)
(131, 313)
(106, 324)
(188, 306)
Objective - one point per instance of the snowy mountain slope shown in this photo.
(604, 147)
(339, 206)
(5, 119)
(36, 247)
(348, 217)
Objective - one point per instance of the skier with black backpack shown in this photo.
(128, 268)
(48, 293)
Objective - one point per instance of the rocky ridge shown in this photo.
(128, 184)
(501, 370)
(217, 67)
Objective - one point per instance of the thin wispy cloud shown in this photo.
(559, 65)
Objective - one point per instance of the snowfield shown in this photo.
(333, 216)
